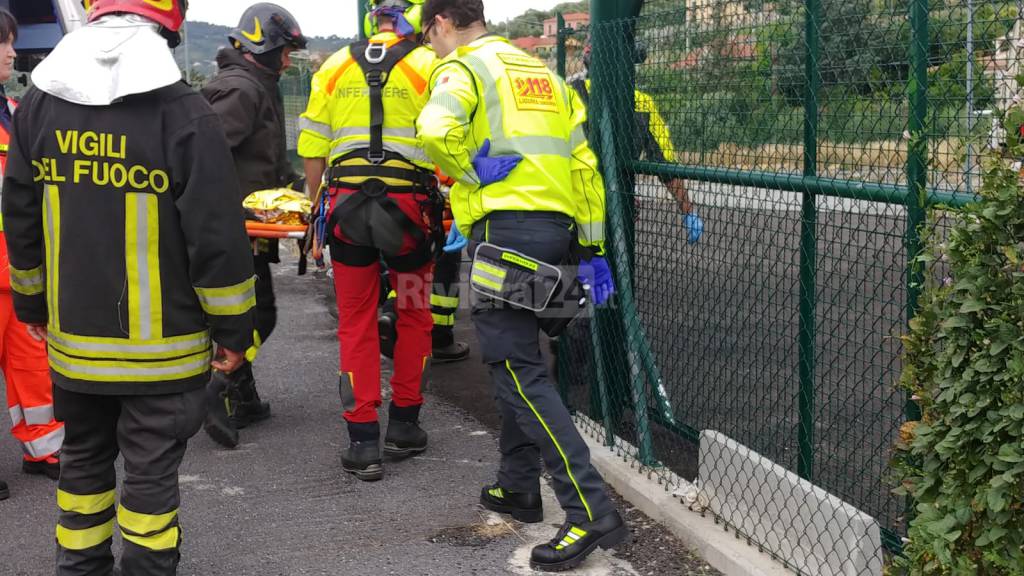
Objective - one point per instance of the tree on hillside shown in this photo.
(531, 23)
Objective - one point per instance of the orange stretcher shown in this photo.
(264, 230)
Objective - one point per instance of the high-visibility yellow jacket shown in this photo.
(655, 140)
(491, 90)
(337, 120)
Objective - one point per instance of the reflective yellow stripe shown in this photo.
(486, 282)
(444, 301)
(138, 523)
(85, 503)
(142, 262)
(554, 440)
(124, 348)
(498, 273)
(28, 282)
(444, 320)
(127, 370)
(51, 233)
(83, 539)
(166, 540)
(229, 300)
(578, 532)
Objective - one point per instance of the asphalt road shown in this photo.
(279, 504)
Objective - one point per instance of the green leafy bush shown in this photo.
(963, 463)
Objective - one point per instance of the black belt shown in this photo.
(522, 215)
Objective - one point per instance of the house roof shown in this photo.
(571, 17)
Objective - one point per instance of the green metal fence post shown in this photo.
(361, 7)
(809, 245)
(917, 162)
(613, 80)
(600, 401)
(562, 36)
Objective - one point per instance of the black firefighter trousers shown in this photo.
(151, 433)
(535, 422)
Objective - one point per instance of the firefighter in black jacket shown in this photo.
(127, 238)
(245, 95)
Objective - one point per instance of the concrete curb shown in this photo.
(720, 548)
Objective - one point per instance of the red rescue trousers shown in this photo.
(29, 391)
(357, 289)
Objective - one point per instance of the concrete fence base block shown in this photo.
(813, 530)
(716, 545)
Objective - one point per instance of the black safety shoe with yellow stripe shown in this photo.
(525, 507)
(574, 542)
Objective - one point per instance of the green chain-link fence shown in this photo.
(812, 137)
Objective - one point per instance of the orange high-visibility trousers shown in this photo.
(29, 391)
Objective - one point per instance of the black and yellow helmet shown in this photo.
(265, 27)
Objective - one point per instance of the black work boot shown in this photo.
(404, 437)
(388, 331)
(221, 393)
(525, 507)
(362, 458)
(454, 352)
(249, 409)
(5, 492)
(574, 542)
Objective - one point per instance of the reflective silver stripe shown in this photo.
(450, 104)
(125, 347)
(27, 282)
(502, 144)
(592, 232)
(43, 447)
(319, 128)
(145, 306)
(103, 371)
(413, 153)
(39, 415)
(477, 271)
(364, 132)
(16, 415)
(579, 137)
(230, 301)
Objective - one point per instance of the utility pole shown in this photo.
(188, 61)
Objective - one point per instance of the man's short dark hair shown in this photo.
(463, 12)
(8, 26)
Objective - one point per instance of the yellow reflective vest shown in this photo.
(337, 119)
(491, 90)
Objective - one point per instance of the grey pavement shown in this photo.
(279, 504)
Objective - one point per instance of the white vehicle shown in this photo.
(41, 24)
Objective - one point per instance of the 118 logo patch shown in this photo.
(533, 91)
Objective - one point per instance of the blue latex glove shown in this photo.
(456, 241)
(695, 226)
(496, 169)
(597, 276)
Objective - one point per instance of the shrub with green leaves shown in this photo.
(963, 463)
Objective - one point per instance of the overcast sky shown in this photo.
(327, 17)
